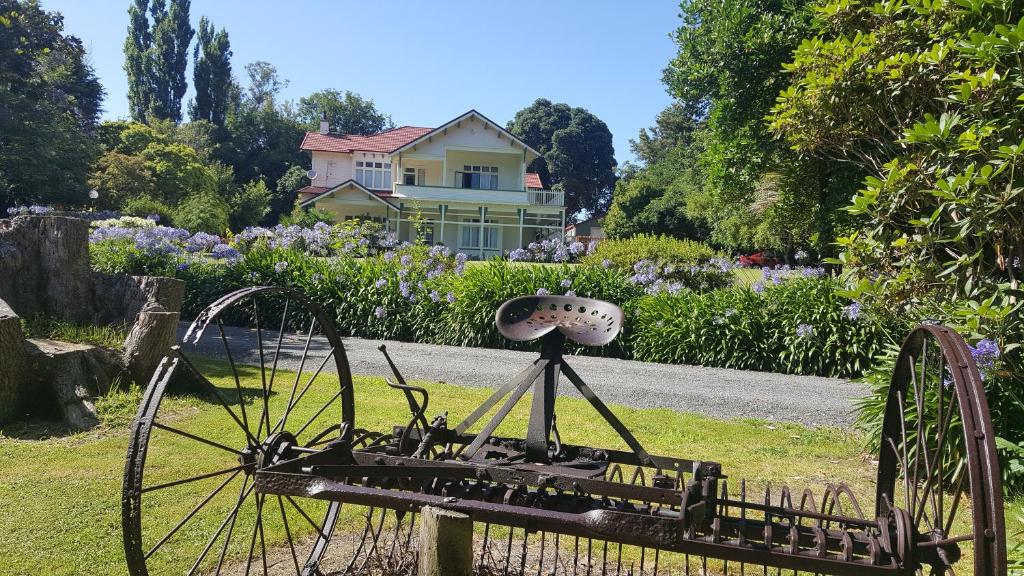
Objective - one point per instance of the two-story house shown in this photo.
(463, 184)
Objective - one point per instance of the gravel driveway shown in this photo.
(717, 392)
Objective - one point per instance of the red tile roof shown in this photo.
(387, 141)
(533, 181)
(310, 191)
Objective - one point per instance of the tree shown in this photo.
(673, 126)
(263, 137)
(156, 56)
(50, 102)
(211, 75)
(576, 152)
(249, 205)
(287, 190)
(137, 61)
(347, 113)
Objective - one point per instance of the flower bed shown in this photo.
(793, 321)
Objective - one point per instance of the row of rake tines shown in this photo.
(388, 547)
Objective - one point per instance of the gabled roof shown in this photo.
(446, 125)
(595, 217)
(533, 181)
(386, 141)
(346, 184)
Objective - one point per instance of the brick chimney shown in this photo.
(325, 126)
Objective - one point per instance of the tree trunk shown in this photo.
(445, 543)
(72, 374)
(44, 267)
(149, 341)
(12, 361)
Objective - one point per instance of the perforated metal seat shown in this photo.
(582, 320)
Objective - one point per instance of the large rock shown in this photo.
(70, 377)
(12, 361)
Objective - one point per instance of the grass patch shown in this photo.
(747, 276)
(105, 335)
(67, 489)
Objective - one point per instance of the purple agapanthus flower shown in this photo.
(280, 267)
(606, 263)
(380, 283)
(804, 330)
(380, 312)
(852, 311)
(542, 292)
(566, 282)
(985, 354)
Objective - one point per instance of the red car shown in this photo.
(760, 259)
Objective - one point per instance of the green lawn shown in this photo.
(62, 493)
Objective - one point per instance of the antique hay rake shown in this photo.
(282, 481)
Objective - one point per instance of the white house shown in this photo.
(465, 183)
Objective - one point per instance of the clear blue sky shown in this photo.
(427, 62)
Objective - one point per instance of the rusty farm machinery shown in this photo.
(281, 478)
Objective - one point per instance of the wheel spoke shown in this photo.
(265, 416)
(213, 390)
(174, 430)
(190, 515)
(194, 478)
(234, 373)
(288, 534)
(298, 374)
(242, 495)
(306, 516)
(318, 413)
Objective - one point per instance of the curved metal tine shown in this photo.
(540, 560)
(298, 375)
(483, 547)
(265, 416)
(242, 495)
(508, 550)
(522, 559)
(213, 390)
(555, 561)
(395, 538)
(190, 515)
(590, 545)
(604, 558)
(318, 413)
(231, 528)
(945, 420)
(575, 555)
(957, 492)
(362, 541)
(375, 538)
(234, 372)
(618, 561)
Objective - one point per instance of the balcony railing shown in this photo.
(545, 197)
(554, 198)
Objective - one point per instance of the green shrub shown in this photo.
(661, 249)
(143, 206)
(800, 326)
(202, 212)
(306, 217)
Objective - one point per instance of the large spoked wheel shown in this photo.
(938, 475)
(190, 504)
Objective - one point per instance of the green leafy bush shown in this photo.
(203, 212)
(144, 206)
(800, 326)
(662, 249)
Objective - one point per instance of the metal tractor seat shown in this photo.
(582, 320)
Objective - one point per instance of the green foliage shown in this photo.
(741, 328)
(626, 252)
(106, 335)
(306, 217)
(249, 204)
(286, 192)
(576, 152)
(211, 75)
(655, 200)
(50, 101)
(926, 98)
(143, 206)
(156, 56)
(346, 112)
(204, 212)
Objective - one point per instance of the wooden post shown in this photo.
(445, 543)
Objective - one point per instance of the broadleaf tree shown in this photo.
(576, 150)
(346, 112)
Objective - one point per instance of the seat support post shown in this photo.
(542, 411)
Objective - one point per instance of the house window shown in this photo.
(374, 175)
(414, 176)
(471, 234)
(477, 177)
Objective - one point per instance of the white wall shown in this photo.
(331, 168)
